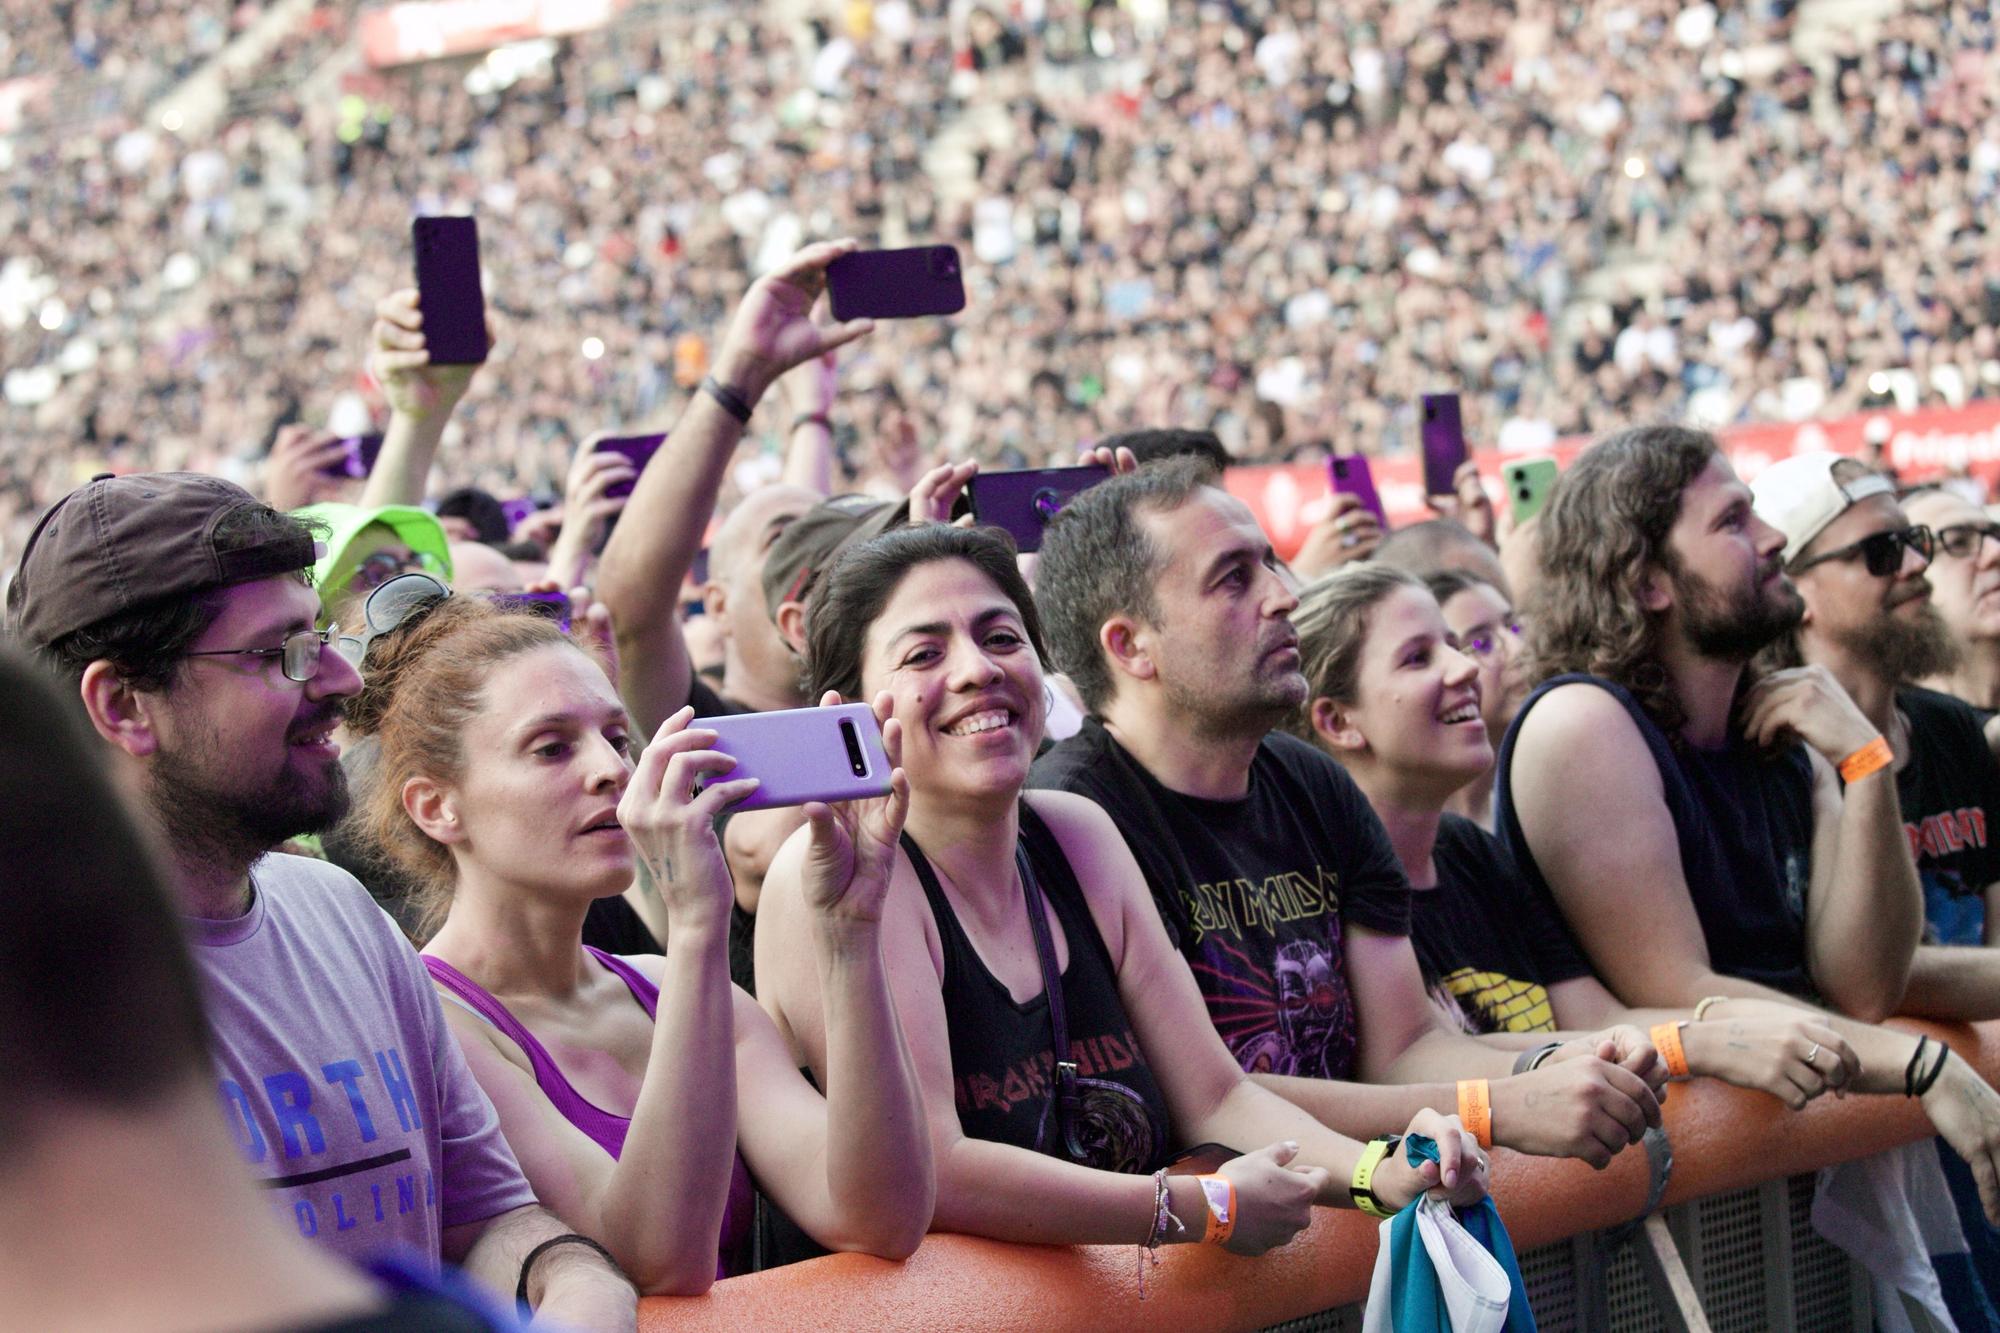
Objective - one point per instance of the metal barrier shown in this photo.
(1737, 1205)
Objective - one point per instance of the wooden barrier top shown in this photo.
(1724, 1138)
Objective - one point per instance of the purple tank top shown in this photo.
(605, 1129)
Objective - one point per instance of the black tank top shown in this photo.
(1744, 822)
(1001, 1057)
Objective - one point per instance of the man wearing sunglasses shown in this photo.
(1861, 567)
(1965, 585)
(178, 609)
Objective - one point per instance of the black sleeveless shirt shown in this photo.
(1744, 822)
(1001, 1051)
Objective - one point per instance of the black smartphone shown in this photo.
(1024, 502)
(638, 450)
(896, 284)
(1444, 442)
(448, 291)
(357, 458)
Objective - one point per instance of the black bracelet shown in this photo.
(1531, 1059)
(732, 402)
(820, 419)
(1924, 1083)
(567, 1238)
(1910, 1070)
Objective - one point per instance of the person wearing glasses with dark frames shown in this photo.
(1861, 567)
(1488, 631)
(177, 610)
(1965, 587)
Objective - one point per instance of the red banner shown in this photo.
(433, 29)
(1289, 498)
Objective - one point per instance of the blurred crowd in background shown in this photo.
(1276, 219)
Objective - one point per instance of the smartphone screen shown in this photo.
(1444, 442)
(1023, 502)
(896, 284)
(1348, 474)
(448, 291)
(357, 457)
(638, 451)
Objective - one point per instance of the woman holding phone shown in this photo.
(643, 1094)
(994, 892)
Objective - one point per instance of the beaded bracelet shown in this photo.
(1163, 1217)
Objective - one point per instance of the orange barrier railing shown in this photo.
(1723, 1138)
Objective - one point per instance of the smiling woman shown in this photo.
(1061, 1044)
(641, 1095)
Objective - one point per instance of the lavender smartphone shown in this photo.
(357, 458)
(638, 451)
(1348, 474)
(554, 605)
(896, 284)
(448, 291)
(1024, 502)
(803, 754)
(1444, 442)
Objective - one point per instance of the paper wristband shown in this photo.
(1870, 758)
(1220, 1194)
(1362, 1188)
(1667, 1040)
(1475, 1109)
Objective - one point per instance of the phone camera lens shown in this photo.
(1047, 503)
(856, 762)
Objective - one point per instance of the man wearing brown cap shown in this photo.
(177, 607)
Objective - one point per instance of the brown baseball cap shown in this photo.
(117, 543)
(809, 545)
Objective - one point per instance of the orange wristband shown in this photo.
(1870, 758)
(1475, 1109)
(1667, 1040)
(1219, 1192)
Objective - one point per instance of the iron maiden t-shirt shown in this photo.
(1256, 893)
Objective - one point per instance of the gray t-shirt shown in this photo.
(340, 1082)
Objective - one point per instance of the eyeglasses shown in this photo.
(1483, 644)
(382, 566)
(1964, 539)
(401, 601)
(298, 656)
(1883, 551)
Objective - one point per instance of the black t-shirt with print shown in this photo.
(1489, 944)
(1950, 798)
(1256, 893)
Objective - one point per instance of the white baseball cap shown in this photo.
(1800, 495)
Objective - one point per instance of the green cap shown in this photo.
(416, 528)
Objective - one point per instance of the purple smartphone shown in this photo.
(638, 451)
(357, 458)
(1348, 474)
(896, 284)
(448, 291)
(518, 511)
(803, 754)
(1024, 502)
(554, 605)
(1444, 442)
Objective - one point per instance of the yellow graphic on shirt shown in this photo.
(1505, 1005)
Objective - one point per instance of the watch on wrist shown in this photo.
(1362, 1188)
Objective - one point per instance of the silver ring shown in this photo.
(1350, 539)
(1811, 1053)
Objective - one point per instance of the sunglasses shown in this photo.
(401, 601)
(1964, 539)
(379, 568)
(1883, 551)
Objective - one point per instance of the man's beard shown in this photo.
(1899, 650)
(1734, 627)
(1251, 711)
(210, 813)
